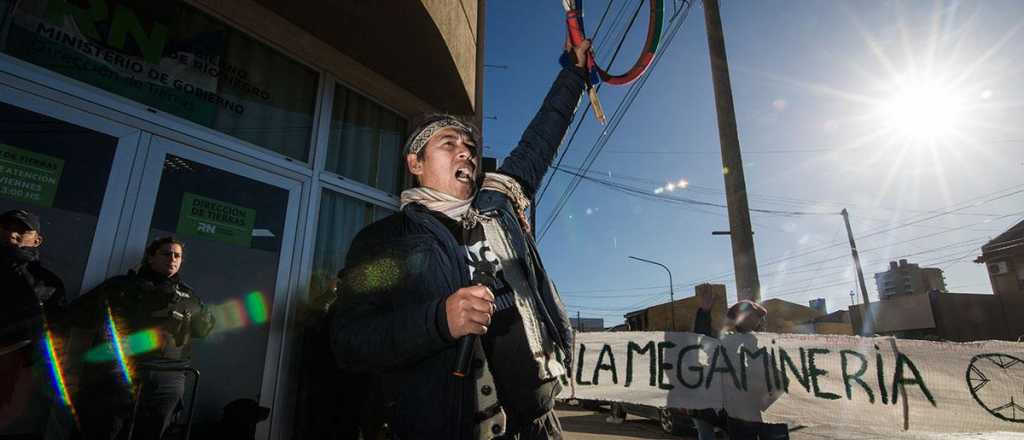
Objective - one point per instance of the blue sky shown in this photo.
(898, 111)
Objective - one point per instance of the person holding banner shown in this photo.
(705, 420)
(744, 317)
(459, 261)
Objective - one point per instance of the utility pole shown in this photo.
(866, 322)
(671, 291)
(579, 322)
(743, 260)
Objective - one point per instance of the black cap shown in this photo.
(28, 219)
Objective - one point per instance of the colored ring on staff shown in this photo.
(654, 29)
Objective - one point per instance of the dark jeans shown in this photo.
(744, 430)
(545, 427)
(108, 413)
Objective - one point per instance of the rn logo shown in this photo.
(997, 384)
(121, 23)
(206, 228)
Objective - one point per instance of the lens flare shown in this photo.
(135, 343)
(142, 342)
(256, 304)
(237, 313)
(230, 315)
(115, 340)
(57, 372)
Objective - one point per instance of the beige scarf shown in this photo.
(461, 209)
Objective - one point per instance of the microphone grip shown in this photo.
(464, 355)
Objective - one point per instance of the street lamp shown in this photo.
(671, 291)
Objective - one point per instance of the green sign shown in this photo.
(212, 219)
(29, 177)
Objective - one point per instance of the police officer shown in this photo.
(29, 296)
(28, 288)
(152, 298)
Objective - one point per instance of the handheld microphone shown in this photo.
(466, 343)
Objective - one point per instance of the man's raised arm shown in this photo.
(529, 161)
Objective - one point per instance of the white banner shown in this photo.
(884, 384)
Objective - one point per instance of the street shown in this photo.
(583, 424)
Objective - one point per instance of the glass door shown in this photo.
(71, 169)
(237, 223)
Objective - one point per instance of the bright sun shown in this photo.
(922, 110)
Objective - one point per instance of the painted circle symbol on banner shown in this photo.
(996, 382)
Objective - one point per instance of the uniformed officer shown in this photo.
(155, 299)
(30, 297)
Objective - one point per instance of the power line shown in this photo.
(794, 292)
(934, 261)
(779, 151)
(686, 200)
(724, 277)
(586, 110)
(616, 118)
(782, 200)
(596, 148)
(884, 246)
(883, 230)
(823, 272)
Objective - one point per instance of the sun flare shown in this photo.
(922, 110)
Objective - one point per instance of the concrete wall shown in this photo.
(833, 328)
(946, 316)
(973, 317)
(1011, 307)
(897, 313)
(458, 26)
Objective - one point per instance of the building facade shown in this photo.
(783, 316)
(263, 133)
(908, 278)
(1003, 257)
(680, 314)
(818, 304)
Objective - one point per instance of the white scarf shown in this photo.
(461, 210)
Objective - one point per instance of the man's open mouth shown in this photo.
(464, 174)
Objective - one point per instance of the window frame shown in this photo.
(323, 137)
(104, 98)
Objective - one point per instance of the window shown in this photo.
(58, 171)
(366, 142)
(173, 58)
(341, 218)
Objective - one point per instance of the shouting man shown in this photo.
(459, 260)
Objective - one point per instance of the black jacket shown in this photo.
(29, 293)
(146, 300)
(390, 315)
